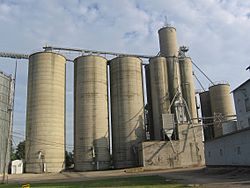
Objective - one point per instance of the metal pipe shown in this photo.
(50, 48)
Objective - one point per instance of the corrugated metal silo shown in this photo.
(91, 114)
(159, 92)
(206, 114)
(187, 86)
(148, 113)
(5, 113)
(45, 121)
(127, 110)
(221, 104)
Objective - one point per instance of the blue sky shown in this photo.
(216, 31)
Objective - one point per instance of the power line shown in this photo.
(199, 81)
(203, 73)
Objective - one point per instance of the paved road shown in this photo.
(202, 177)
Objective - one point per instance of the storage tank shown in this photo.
(148, 109)
(169, 49)
(159, 92)
(206, 112)
(187, 86)
(91, 141)
(168, 41)
(127, 110)
(45, 121)
(5, 123)
(221, 104)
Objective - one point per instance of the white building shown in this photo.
(17, 167)
(242, 104)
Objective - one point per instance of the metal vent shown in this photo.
(168, 121)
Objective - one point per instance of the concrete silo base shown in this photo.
(186, 152)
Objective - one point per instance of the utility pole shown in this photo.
(9, 135)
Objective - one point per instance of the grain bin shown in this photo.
(91, 141)
(187, 86)
(159, 92)
(5, 123)
(221, 106)
(45, 121)
(127, 110)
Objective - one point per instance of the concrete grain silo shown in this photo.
(45, 121)
(187, 86)
(159, 93)
(5, 121)
(168, 41)
(221, 106)
(206, 113)
(91, 141)
(127, 110)
(169, 49)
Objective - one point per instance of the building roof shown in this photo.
(241, 85)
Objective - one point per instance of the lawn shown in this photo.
(138, 182)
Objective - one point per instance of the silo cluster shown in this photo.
(217, 107)
(172, 91)
(110, 116)
(45, 127)
(167, 77)
(5, 120)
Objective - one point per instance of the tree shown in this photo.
(69, 159)
(12, 153)
(20, 150)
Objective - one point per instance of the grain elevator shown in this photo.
(127, 110)
(91, 141)
(45, 121)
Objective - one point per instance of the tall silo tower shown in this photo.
(187, 86)
(91, 148)
(127, 110)
(5, 120)
(221, 106)
(45, 121)
(159, 93)
(168, 41)
(169, 49)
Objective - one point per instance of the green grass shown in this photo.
(138, 182)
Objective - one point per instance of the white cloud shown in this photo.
(215, 30)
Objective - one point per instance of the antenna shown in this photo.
(166, 22)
